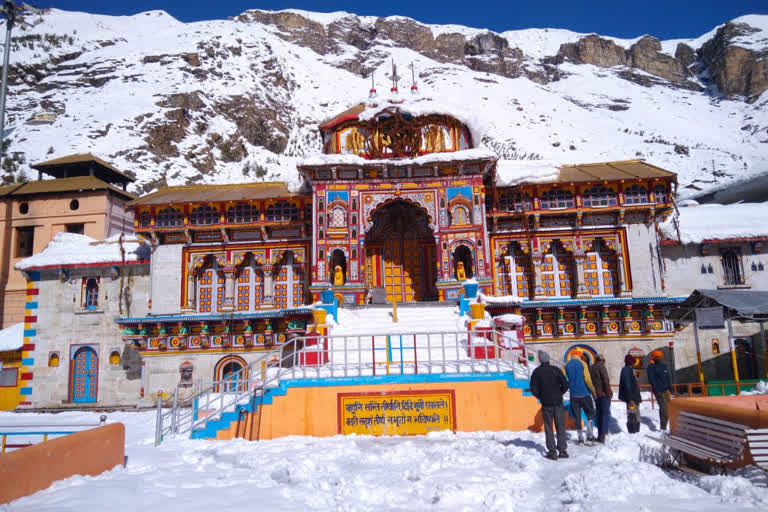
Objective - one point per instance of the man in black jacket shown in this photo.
(549, 384)
(629, 393)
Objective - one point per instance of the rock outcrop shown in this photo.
(737, 71)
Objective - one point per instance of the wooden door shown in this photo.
(85, 370)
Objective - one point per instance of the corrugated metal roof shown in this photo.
(50, 166)
(744, 302)
(620, 170)
(75, 184)
(214, 193)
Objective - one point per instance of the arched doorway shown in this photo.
(400, 253)
(463, 254)
(745, 358)
(84, 375)
(231, 370)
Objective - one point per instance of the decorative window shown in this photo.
(517, 273)
(242, 213)
(337, 218)
(289, 283)
(210, 290)
(144, 219)
(556, 199)
(308, 210)
(185, 374)
(660, 193)
(515, 202)
(204, 216)
(599, 196)
(733, 273)
(282, 211)
(459, 216)
(600, 270)
(90, 292)
(114, 358)
(557, 272)
(169, 217)
(53, 359)
(248, 289)
(636, 195)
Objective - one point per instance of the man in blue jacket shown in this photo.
(548, 384)
(658, 378)
(580, 384)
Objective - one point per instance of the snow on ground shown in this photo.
(489, 471)
(696, 223)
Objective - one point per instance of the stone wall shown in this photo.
(63, 324)
(643, 260)
(166, 275)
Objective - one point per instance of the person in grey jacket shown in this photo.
(629, 393)
(549, 384)
(658, 378)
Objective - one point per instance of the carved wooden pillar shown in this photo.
(228, 304)
(623, 290)
(538, 290)
(579, 258)
(190, 302)
(268, 272)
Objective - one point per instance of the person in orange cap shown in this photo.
(658, 378)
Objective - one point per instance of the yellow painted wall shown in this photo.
(312, 411)
(9, 396)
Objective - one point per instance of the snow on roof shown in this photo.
(717, 222)
(514, 172)
(12, 338)
(419, 105)
(339, 159)
(71, 249)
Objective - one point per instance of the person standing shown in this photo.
(580, 384)
(603, 394)
(629, 393)
(658, 377)
(548, 384)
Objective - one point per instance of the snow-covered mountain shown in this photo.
(240, 99)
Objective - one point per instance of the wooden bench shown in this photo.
(715, 441)
(757, 440)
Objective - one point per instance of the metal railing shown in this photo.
(335, 356)
(42, 429)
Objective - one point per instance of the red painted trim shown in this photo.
(26, 376)
(338, 121)
(86, 265)
(25, 403)
(741, 239)
(670, 242)
(33, 291)
(30, 319)
(28, 346)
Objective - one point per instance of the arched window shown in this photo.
(144, 219)
(660, 193)
(733, 273)
(515, 202)
(600, 270)
(337, 218)
(555, 199)
(114, 358)
(232, 372)
(459, 216)
(282, 211)
(91, 293)
(557, 272)
(248, 288)
(204, 216)
(290, 286)
(636, 195)
(210, 289)
(599, 196)
(242, 213)
(53, 359)
(169, 217)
